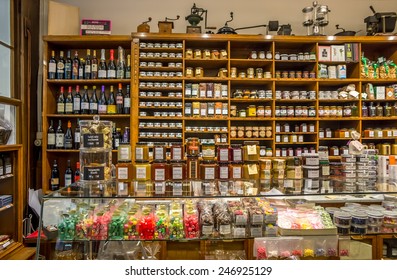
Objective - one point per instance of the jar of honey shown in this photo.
(208, 170)
(159, 152)
(177, 170)
(251, 151)
(235, 170)
(192, 146)
(223, 153)
(251, 171)
(177, 151)
(160, 171)
(141, 152)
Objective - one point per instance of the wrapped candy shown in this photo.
(100, 225)
(131, 224)
(116, 226)
(146, 225)
(162, 222)
(176, 222)
(67, 226)
(191, 222)
(84, 227)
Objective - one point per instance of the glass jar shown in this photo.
(160, 171)
(177, 170)
(142, 171)
(177, 151)
(223, 153)
(208, 151)
(192, 146)
(159, 152)
(251, 151)
(236, 153)
(208, 170)
(235, 170)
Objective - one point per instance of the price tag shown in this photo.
(236, 172)
(225, 229)
(140, 172)
(257, 219)
(239, 232)
(256, 231)
(209, 173)
(159, 174)
(241, 219)
(93, 140)
(94, 173)
(177, 173)
(207, 230)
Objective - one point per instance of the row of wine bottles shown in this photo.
(58, 139)
(85, 103)
(70, 176)
(89, 67)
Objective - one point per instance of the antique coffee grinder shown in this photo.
(167, 25)
(196, 15)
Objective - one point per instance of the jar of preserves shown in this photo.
(177, 170)
(197, 54)
(214, 54)
(142, 171)
(236, 153)
(235, 170)
(208, 170)
(290, 111)
(159, 152)
(160, 171)
(192, 146)
(334, 151)
(223, 153)
(177, 152)
(141, 152)
(208, 151)
(223, 54)
(251, 151)
(199, 72)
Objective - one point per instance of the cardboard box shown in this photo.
(324, 53)
(63, 19)
(338, 53)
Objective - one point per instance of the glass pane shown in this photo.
(5, 71)
(5, 21)
(7, 121)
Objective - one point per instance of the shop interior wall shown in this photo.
(126, 15)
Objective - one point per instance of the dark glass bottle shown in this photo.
(127, 101)
(81, 68)
(119, 100)
(93, 102)
(59, 136)
(77, 101)
(379, 110)
(120, 69)
(68, 66)
(75, 66)
(61, 66)
(94, 66)
(68, 139)
(128, 68)
(364, 110)
(51, 136)
(118, 137)
(68, 175)
(69, 102)
(87, 67)
(387, 110)
(114, 134)
(61, 102)
(371, 110)
(52, 66)
(102, 102)
(111, 102)
(77, 172)
(111, 72)
(77, 135)
(85, 102)
(54, 180)
(126, 135)
(102, 69)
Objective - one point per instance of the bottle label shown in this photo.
(59, 140)
(52, 67)
(60, 67)
(77, 137)
(119, 100)
(51, 139)
(60, 108)
(87, 69)
(54, 181)
(81, 72)
(68, 179)
(128, 75)
(68, 108)
(116, 143)
(102, 74)
(85, 106)
(120, 74)
(111, 74)
(76, 104)
(96, 173)
(94, 68)
(102, 109)
(112, 109)
(124, 153)
(127, 102)
(68, 67)
(93, 106)
(93, 140)
(68, 143)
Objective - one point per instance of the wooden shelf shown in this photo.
(250, 100)
(68, 151)
(251, 139)
(334, 139)
(188, 99)
(340, 119)
(293, 133)
(88, 82)
(9, 206)
(160, 69)
(160, 107)
(338, 100)
(378, 118)
(297, 143)
(160, 50)
(296, 101)
(160, 98)
(102, 116)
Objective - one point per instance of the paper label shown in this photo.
(159, 187)
(239, 232)
(207, 230)
(140, 172)
(257, 219)
(138, 153)
(237, 155)
(225, 229)
(177, 173)
(209, 173)
(251, 149)
(122, 173)
(177, 189)
(236, 172)
(252, 169)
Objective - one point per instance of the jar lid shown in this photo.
(342, 214)
(392, 214)
(375, 214)
(332, 210)
(360, 214)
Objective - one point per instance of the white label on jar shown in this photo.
(241, 219)
(209, 173)
(237, 155)
(211, 111)
(223, 155)
(251, 149)
(325, 170)
(278, 138)
(328, 134)
(208, 153)
(312, 161)
(389, 133)
(141, 187)
(321, 134)
(278, 128)
(285, 138)
(311, 128)
(239, 232)
(380, 134)
(207, 230)
(138, 153)
(176, 153)
(203, 112)
(207, 188)
(256, 231)
(371, 133)
(177, 173)
(122, 173)
(159, 187)
(124, 153)
(394, 133)
(300, 139)
(177, 189)
(196, 111)
(225, 229)
(202, 93)
(158, 152)
(313, 173)
(159, 174)
(223, 172)
(236, 172)
(257, 219)
(140, 172)
(252, 169)
(121, 186)
(347, 134)
(218, 111)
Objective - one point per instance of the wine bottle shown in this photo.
(68, 66)
(77, 172)
(77, 101)
(77, 135)
(51, 136)
(127, 101)
(94, 66)
(111, 73)
(81, 68)
(128, 68)
(102, 102)
(120, 71)
(93, 102)
(126, 135)
(61, 66)
(114, 133)
(111, 102)
(68, 139)
(119, 100)
(118, 137)
(85, 102)
(59, 136)
(68, 175)
(54, 180)
(75, 66)
(69, 102)
(102, 69)
(61, 102)
(52, 66)
(87, 68)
